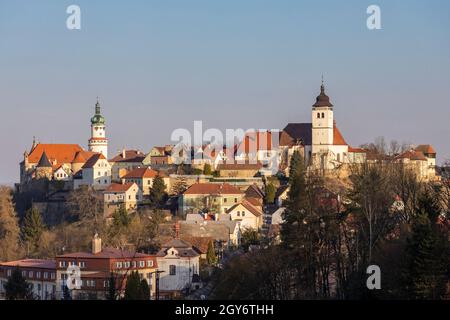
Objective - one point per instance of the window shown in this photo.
(39, 287)
(133, 264)
(38, 275)
(53, 275)
(243, 213)
(318, 115)
(126, 264)
(323, 115)
(62, 264)
(99, 173)
(238, 214)
(24, 274)
(82, 264)
(149, 263)
(45, 275)
(225, 200)
(172, 270)
(118, 265)
(141, 264)
(9, 272)
(235, 200)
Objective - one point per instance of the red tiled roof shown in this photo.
(62, 153)
(412, 155)
(31, 263)
(338, 139)
(108, 253)
(247, 205)
(117, 187)
(356, 150)
(93, 160)
(426, 149)
(256, 141)
(130, 156)
(212, 188)
(140, 173)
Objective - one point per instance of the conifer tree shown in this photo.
(32, 228)
(17, 288)
(158, 193)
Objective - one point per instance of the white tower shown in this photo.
(322, 123)
(98, 141)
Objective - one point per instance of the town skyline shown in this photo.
(261, 77)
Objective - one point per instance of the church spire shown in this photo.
(322, 99)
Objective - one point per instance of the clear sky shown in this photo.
(158, 65)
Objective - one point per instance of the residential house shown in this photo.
(240, 170)
(250, 216)
(96, 172)
(179, 263)
(159, 156)
(97, 266)
(225, 232)
(127, 195)
(124, 162)
(216, 198)
(144, 177)
(41, 274)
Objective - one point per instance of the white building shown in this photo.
(180, 265)
(40, 274)
(96, 172)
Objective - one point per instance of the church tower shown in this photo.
(322, 123)
(98, 141)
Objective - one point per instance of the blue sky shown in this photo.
(159, 65)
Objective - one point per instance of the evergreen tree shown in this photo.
(207, 169)
(133, 288)
(179, 186)
(33, 227)
(158, 193)
(270, 193)
(9, 227)
(112, 290)
(17, 288)
(425, 271)
(211, 256)
(145, 290)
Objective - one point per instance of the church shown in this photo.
(70, 162)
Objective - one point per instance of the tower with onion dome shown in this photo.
(98, 142)
(322, 123)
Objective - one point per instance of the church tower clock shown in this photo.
(98, 142)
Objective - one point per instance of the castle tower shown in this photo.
(322, 123)
(44, 168)
(98, 141)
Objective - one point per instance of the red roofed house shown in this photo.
(250, 216)
(124, 162)
(127, 195)
(96, 172)
(212, 197)
(41, 274)
(96, 267)
(143, 177)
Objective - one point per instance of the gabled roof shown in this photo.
(117, 187)
(412, 155)
(130, 156)
(426, 149)
(82, 156)
(247, 205)
(212, 188)
(282, 189)
(93, 160)
(254, 191)
(140, 173)
(62, 153)
(184, 249)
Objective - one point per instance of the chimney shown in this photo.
(124, 154)
(96, 244)
(177, 230)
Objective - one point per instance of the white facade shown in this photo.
(98, 142)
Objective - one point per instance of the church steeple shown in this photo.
(322, 99)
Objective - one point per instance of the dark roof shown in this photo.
(322, 99)
(93, 160)
(212, 188)
(184, 248)
(254, 191)
(130, 156)
(281, 190)
(44, 162)
(294, 133)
